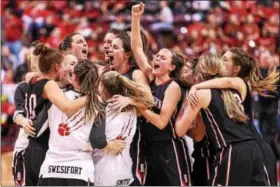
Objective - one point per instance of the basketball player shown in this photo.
(66, 162)
(228, 131)
(238, 63)
(67, 68)
(22, 140)
(161, 140)
(76, 44)
(107, 42)
(41, 90)
(200, 152)
(121, 58)
(122, 61)
(115, 170)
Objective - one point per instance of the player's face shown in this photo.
(162, 63)
(79, 47)
(187, 71)
(228, 65)
(107, 43)
(67, 68)
(117, 54)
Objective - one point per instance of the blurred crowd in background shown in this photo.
(189, 27)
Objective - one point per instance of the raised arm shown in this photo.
(182, 125)
(57, 97)
(136, 41)
(235, 83)
(170, 101)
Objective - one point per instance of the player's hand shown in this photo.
(138, 10)
(192, 98)
(114, 147)
(28, 128)
(119, 102)
(31, 75)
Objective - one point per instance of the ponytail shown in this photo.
(40, 49)
(233, 107)
(135, 91)
(117, 84)
(87, 74)
(260, 84)
(249, 71)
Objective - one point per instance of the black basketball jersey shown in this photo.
(248, 110)
(36, 108)
(151, 132)
(129, 73)
(220, 128)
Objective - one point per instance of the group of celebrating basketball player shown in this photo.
(123, 121)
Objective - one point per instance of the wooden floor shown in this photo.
(7, 177)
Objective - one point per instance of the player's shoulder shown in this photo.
(71, 94)
(22, 86)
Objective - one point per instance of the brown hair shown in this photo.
(113, 31)
(115, 83)
(193, 62)
(66, 43)
(48, 57)
(144, 40)
(178, 61)
(125, 38)
(87, 74)
(182, 80)
(250, 72)
(210, 67)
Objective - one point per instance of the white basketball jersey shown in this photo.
(116, 170)
(68, 135)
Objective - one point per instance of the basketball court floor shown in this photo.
(6, 174)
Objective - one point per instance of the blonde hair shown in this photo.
(115, 83)
(250, 72)
(210, 67)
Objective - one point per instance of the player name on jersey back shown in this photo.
(65, 169)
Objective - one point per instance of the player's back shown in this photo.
(222, 129)
(116, 169)
(68, 137)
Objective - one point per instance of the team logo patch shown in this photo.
(63, 129)
(71, 124)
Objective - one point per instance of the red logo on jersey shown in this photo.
(63, 129)
(71, 124)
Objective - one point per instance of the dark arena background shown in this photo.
(189, 27)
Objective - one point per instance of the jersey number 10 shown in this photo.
(30, 104)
